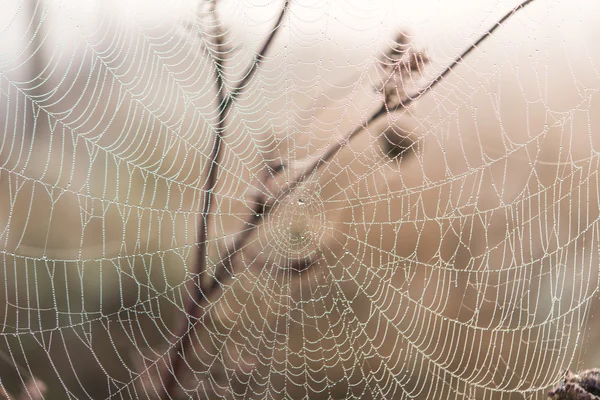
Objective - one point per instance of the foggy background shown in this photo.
(107, 109)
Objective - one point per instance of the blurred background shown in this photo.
(467, 267)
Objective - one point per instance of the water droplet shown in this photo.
(44, 257)
(301, 202)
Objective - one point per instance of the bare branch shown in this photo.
(33, 389)
(170, 377)
(458, 59)
(247, 77)
(225, 269)
(403, 104)
(261, 208)
(584, 385)
(175, 360)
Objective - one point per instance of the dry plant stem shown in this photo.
(460, 58)
(169, 378)
(193, 309)
(260, 209)
(4, 394)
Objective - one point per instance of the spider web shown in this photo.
(448, 250)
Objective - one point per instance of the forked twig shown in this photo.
(34, 389)
(261, 207)
(458, 59)
(176, 355)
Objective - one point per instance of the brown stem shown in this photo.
(36, 61)
(249, 73)
(193, 310)
(461, 57)
(169, 378)
(260, 209)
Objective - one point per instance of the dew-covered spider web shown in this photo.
(265, 200)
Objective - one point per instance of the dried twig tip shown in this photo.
(397, 64)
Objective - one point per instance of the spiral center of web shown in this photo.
(297, 224)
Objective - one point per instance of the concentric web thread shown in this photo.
(196, 200)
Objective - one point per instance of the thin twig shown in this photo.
(225, 267)
(336, 147)
(460, 58)
(261, 209)
(249, 73)
(170, 377)
(193, 311)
